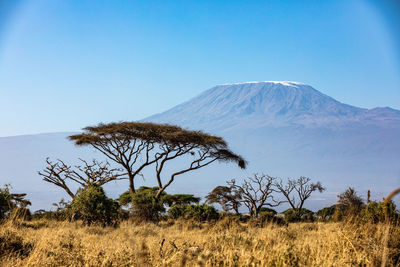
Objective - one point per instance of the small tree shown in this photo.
(144, 204)
(298, 191)
(349, 203)
(95, 173)
(11, 201)
(93, 206)
(225, 197)
(256, 192)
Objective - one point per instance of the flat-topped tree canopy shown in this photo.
(124, 142)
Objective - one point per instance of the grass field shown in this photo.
(188, 243)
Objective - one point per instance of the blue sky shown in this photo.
(68, 64)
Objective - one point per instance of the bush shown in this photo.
(376, 212)
(292, 215)
(91, 205)
(198, 212)
(269, 210)
(177, 211)
(326, 213)
(143, 203)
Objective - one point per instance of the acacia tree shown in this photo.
(94, 173)
(201, 149)
(130, 144)
(135, 145)
(256, 192)
(225, 197)
(297, 191)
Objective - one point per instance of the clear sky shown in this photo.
(68, 64)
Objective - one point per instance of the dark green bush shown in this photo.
(144, 204)
(379, 212)
(269, 210)
(198, 212)
(91, 205)
(292, 215)
(326, 213)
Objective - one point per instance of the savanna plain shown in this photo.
(227, 242)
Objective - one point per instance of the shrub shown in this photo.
(144, 205)
(200, 212)
(326, 213)
(292, 215)
(377, 211)
(177, 211)
(269, 210)
(91, 205)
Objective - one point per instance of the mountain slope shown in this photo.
(260, 104)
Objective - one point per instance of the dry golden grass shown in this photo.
(227, 243)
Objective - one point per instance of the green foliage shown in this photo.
(226, 197)
(10, 201)
(349, 203)
(93, 206)
(379, 212)
(268, 210)
(292, 215)
(180, 199)
(144, 204)
(326, 213)
(177, 211)
(200, 212)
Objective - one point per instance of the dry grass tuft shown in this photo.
(179, 243)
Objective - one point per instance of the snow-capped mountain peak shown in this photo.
(269, 103)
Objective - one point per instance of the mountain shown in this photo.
(284, 129)
(291, 129)
(276, 104)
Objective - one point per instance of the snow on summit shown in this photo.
(286, 83)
